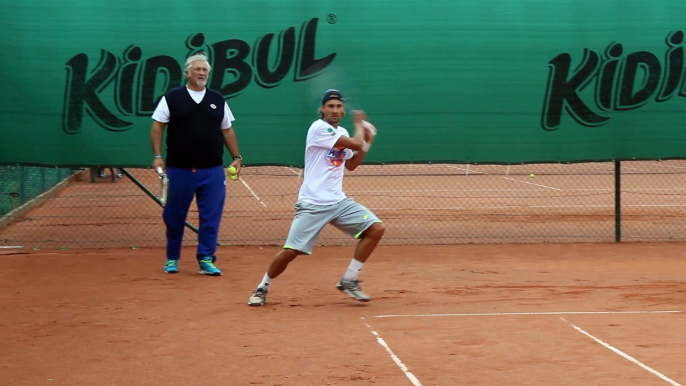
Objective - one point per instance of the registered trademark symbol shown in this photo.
(332, 19)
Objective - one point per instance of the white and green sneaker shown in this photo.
(258, 298)
(352, 289)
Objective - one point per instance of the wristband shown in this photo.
(365, 146)
(157, 156)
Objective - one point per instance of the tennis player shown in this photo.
(321, 200)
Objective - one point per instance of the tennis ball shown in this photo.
(532, 175)
(233, 177)
(232, 171)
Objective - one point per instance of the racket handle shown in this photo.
(165, 184)
(159, 170)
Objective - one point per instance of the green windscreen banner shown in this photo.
(443, 81)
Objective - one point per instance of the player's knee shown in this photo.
(289, 254)
(376, 231)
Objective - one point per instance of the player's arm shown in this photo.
(355, 161)
(357, 142)
(358, 156)
(156, 134)
(354, 143)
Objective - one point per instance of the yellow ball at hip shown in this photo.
(232, 170)
(233, 177)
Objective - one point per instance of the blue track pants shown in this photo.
(208, 185)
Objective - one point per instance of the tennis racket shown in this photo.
(164, 185)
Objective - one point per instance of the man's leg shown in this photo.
(369, 239)
(180, 195)
(277, 267)
(308, 223)
(361, 223)
(281, 261)
(211, 194)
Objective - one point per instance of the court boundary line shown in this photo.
(415, 381)
(447, 208)
(676, 190)
(531, 313)
(253, 193)
(394, 357)
(506, 178)
(666, 166)
(625, 356)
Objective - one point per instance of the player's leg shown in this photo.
(210, 195)
(307, 224)
(180, 195)
(277, 267)
(369, 239)
(279, 264)
(358, 221)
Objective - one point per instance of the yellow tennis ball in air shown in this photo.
(532, 175)
(233, 177)
(232, 171)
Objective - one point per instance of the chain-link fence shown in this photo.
(22, 188)
(420, 204)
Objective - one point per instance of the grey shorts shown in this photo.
(347, 215)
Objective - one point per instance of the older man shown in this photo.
(200, 125)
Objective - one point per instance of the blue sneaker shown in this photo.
(172, 266)
(207, 267)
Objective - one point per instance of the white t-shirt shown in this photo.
(324, 165)
(161, 113)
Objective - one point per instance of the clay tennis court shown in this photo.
(542, 297)
(546, 314)
(427, 204)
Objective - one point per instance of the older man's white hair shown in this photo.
(199, 57)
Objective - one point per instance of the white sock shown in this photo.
(353, 270)
(266, 282)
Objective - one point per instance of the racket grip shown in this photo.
(165, 184)
(159, 170)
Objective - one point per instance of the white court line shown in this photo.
(395, 358)
(667, 166)
(530, 183)
(253, 193)
(532, 313)
(508, 178)
(612, 206)
(294, 172)
(11, 246)
(515, 190)
(466, 170)
(530, 206)
(625, 356)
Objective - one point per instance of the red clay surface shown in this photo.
(421, 204)
(111, 317)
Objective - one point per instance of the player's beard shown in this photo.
(333, 120)
(201, 82)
